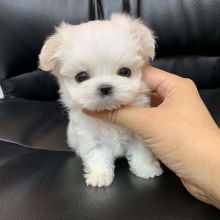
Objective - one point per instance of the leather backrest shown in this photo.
(188, 38)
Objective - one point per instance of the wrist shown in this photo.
(205, 179)
(212, 168)
(213, 189)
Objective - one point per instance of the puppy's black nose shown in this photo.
(105, 90)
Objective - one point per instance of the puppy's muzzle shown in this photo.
(105, 90)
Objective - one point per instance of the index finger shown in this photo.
(158, 80)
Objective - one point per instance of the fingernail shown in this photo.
(87, 111)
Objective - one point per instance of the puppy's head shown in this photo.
(98, 64)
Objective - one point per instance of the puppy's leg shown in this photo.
(84, 135)
(99, 166)
(141, 161)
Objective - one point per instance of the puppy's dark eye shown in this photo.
(82, 76)
(124, 71)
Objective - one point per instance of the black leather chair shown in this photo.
(40, 178)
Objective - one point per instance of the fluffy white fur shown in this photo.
(100, 48)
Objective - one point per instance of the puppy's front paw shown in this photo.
(147, 171)
(99, 179)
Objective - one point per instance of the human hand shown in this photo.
(179, 130)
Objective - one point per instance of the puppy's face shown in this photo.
(98, 64)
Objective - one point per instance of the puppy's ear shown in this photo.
(47, 57)
(139, 31)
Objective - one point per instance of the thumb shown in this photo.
(132, 118)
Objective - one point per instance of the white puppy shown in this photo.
(98, 67)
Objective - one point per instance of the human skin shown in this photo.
(179, 130)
